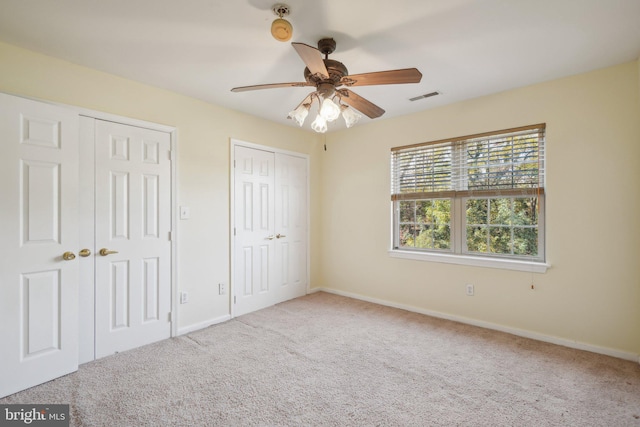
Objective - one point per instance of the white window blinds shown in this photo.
(502, 163)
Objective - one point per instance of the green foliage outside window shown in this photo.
(425, 224)
(503, 226)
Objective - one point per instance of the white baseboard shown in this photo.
(202, 325)
(488, 325)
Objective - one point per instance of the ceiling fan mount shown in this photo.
(326, 46)
(328, 76)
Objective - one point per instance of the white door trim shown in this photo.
(232, 144)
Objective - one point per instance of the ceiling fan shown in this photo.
(332, 80)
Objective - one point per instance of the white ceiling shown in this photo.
(203, 48)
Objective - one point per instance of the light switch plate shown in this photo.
(185, 212)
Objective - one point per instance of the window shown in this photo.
(480, 195)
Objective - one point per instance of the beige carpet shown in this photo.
(325, 360)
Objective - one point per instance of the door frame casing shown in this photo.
(87, 236)
(233, 142)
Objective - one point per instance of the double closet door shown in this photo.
(270, 228)
(68, 192)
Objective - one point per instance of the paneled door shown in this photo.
(254, 255)
(39, 243)
(291, 226)
(132, 237)
(270, 228)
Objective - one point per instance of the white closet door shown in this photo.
(254, 255)
(132, 248)
(270, 228)
(38, 224)
(291, 226)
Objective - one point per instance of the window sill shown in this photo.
(475, 261)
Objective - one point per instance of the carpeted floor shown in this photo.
(326, 360)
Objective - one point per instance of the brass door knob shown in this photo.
(68, 256)
(280, 236)
(105, 252)
(84, 252)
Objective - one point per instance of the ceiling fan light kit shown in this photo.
(350, 115)
(300, 113)
(329, 110)
(281, 29)
(329, 76)
(319, 124)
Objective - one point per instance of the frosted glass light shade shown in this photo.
(350, 116)
(300, 113)
(319, 124)
(329, 110)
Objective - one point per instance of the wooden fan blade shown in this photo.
(391, 77)
(270, 86)
(367, 108)
(312, 58)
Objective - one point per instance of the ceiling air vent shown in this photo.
(426, 95)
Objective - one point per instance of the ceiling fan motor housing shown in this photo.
(336, 69)
(326, 90)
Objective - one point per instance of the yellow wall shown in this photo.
(591, 293)
(204, 131)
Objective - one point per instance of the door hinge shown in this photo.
(234, 231)
(234, 163)
(234, 299)
(170, 236)
(169, 317)
(170, 154)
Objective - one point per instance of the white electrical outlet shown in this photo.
(184, 297)
(470, 289)
(222, 288)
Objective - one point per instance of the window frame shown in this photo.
(458, 252)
